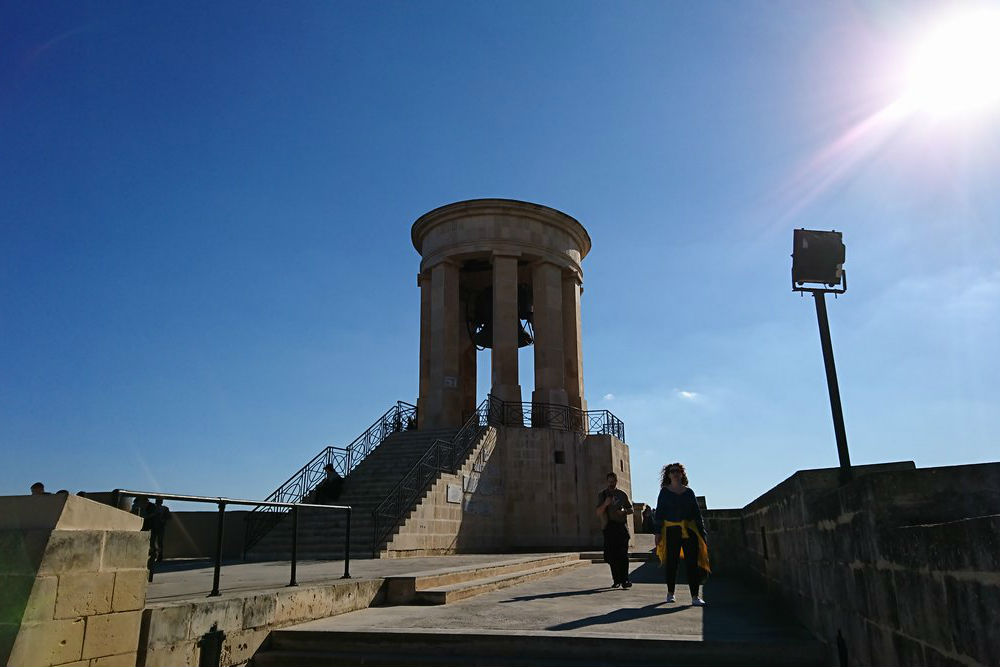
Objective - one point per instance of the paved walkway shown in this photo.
(581, 602)
(578, 602)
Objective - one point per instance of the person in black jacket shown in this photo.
(682, 529)
(613, 506)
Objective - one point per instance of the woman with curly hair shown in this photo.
(682, 532)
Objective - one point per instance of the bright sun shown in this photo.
(955, 69)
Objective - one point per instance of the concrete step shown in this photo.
(404, 589)
(468, 589)
(286, 648)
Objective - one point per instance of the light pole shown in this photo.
(818, 258)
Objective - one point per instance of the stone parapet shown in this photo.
(902, 563)
(72, 582)
(172, 633)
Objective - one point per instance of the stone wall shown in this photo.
(459, 512)
(726, 541)
(537, 491)
(903, 563)
(172, 633)
(72, 582)
(551, 480)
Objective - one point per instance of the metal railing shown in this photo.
(548, 415)
(261, 519)
(117, 495)
(441, 456)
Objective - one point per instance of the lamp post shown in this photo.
(818, 258)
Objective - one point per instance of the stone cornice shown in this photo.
(504, 207)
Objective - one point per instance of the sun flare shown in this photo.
(955, 69)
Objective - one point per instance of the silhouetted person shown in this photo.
(682, 530)
(38, 489)
(329, 489)
(613, 507)
(647, 520)
(161, 515)
(147, 510)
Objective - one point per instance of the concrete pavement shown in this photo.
(582, 603)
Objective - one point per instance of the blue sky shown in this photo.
(206, 273)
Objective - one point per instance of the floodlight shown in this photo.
(818, 257)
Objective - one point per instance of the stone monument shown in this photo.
(504, 274)
(498, 274)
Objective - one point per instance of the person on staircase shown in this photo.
(328, 491)
(613, 507)
(682, 532)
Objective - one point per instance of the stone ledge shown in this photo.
(171, 631)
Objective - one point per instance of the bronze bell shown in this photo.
(479, 319)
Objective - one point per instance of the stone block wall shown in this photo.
(72, 582)
(459, 512)
(172, 633)
(537, 491)
(551, 481)
(902, 563)
(726, 540)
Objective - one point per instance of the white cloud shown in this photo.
(609, 397)
(688, 395)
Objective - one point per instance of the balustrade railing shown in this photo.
(548, 415)
(261, 519)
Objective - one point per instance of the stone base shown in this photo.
(535, 490)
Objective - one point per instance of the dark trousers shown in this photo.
(616, 550)
(674, 543)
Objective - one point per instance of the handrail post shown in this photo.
(295, 543)
(347, 547)
(218, 551)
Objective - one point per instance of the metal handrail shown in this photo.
(551, 415)
(264, 517)
(441, 456)
(222, 501)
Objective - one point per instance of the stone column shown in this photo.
(443, 394)
(572, 337)
(550, 363)
(503, 357)
(424, 283)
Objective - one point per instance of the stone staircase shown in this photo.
(321, 532)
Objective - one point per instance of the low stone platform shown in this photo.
(255, 598)
(482, 602)
(571, 618)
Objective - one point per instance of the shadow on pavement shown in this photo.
(618, 616)
(561, 594)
